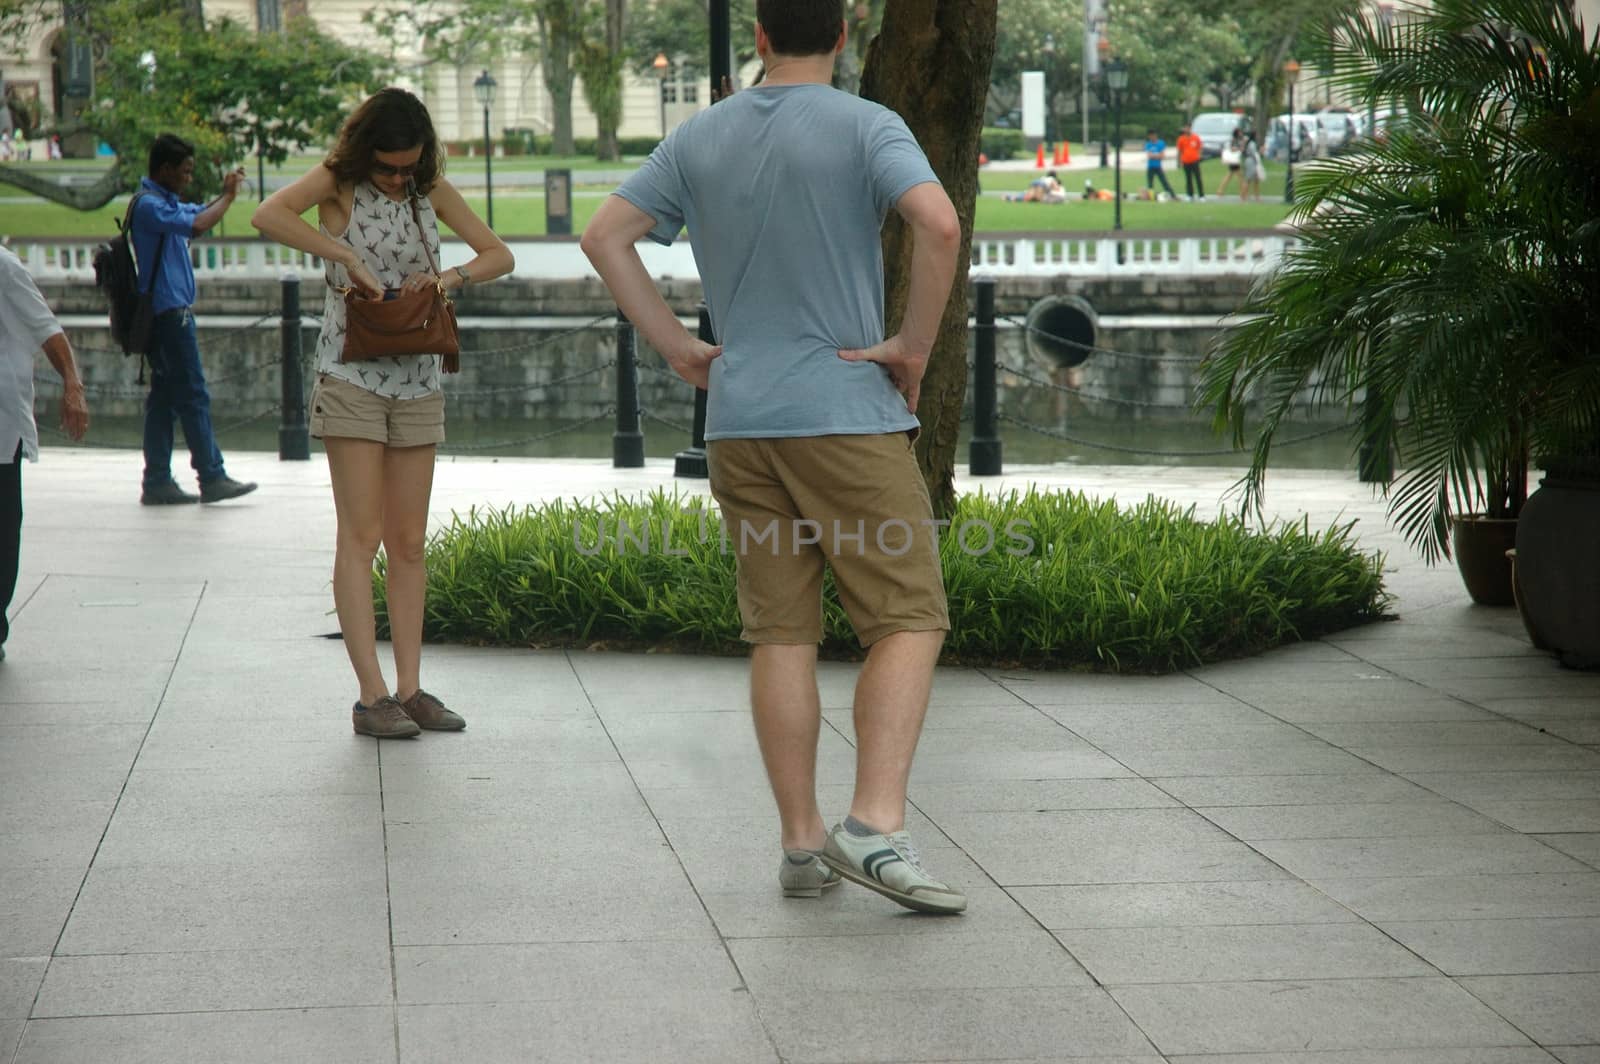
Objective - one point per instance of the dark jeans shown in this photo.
(1154, 174)
(10, 535)
(1193, 183)
(178, 392)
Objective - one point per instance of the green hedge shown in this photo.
(516, 144)
(1000, 144)
(1147, 589)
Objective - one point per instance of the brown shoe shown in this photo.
(430, 713)
(384, 719)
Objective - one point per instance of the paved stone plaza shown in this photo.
(1379, 848)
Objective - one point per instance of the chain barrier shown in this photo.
(524, 441)
(673, 425)
(510, 389)
(535, 344)
(1079, 393)
(1119, 449)
(271, 411)
(1137, 356)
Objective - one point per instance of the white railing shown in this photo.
(559, 258)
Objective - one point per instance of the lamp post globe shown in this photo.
(483, 88)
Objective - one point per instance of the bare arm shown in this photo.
(493, 260)
(206, 219)
(279, 218)
(936, 238)
(608, 241)
(74, 408)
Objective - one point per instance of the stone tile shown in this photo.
(966, 767)
(509, 741)
(1036, 736)
(1310, 757)
(46, 714)
(1430, 669)
(1504, 947)
(752, 804)
(1276, 695)
(1103, 846)
(1367, 786)
(851, 911)
(1469, 897)
(1578, 708)
(205, 843)
(19, 982)
(1118, 905)
(1472, 788)
(1585, 848)
(1076, 689)
(1118, 740)
(1346, 669)
(1412, 709)
(147, 909)
(1557, 684)
(1126, 955)
(1344, 1014)
(1550, 1009)
(774, 966)
(1343, 821)
(34, 903)
(1576, 1054)
(59, 847)
(1434, 733)
(967, 1025)
(215, 981)
(10, 1035)
(552, 971)
(1586, 731)
(1554, 756)
(1529, 1055)
(1097, 718)
(265, 780)
(1547, 817)
(692, 1028)
(938, 799)
(1460, 855)
(350, 1036)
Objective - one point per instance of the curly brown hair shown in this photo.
(389, 120)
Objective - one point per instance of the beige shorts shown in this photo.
(343, 410)
(792, 508)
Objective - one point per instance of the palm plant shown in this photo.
(1447, 278)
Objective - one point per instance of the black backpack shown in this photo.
(116, 273)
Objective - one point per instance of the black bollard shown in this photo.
(294, 436)
(984, 451)
(691, 461)
(627, 442)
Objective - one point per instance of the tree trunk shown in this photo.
(606, 145)
(78, 197)
(558, 28)
(930, 63)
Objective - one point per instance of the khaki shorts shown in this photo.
(855, 504)
(343, 410)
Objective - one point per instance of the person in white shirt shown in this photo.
(26, 326)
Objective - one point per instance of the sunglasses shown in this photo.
(383, 169)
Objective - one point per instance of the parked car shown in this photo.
(1307, 143)
(1340, 128)
(1215, 128)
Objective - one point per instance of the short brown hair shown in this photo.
(801, 27)
(388, 120)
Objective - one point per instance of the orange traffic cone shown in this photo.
(1038, 162)
(1066, 155)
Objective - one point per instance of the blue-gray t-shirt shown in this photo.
(784, 189)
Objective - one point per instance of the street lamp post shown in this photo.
(661, 65)
(1291, 74)
(483, 88)
(1117, 81)
(1104, 46)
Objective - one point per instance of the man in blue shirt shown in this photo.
(162, 226)
(1155, 149)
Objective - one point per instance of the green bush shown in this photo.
(1148, 589)
(1000, 144)
(545, 145)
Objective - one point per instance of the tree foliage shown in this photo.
(220, 87)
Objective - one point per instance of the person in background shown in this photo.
(1254, 169)
(26, 326)
(379, 197)
(1155, 150)
(1233, 160)
(162, 225)
(1190, 151)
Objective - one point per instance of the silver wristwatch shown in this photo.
(466, 278)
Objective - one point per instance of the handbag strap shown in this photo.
(422, 234)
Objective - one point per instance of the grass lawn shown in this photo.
(519, 211)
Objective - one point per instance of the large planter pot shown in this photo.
(1558, 566)
(1480, 544)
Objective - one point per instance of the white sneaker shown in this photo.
(890, 865)
(802, 874)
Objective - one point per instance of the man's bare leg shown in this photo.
(788, 719)
(891, 701)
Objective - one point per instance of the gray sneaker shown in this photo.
(802, 874)
(384, 719)
(890, 865)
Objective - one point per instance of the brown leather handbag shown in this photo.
(412, 323)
